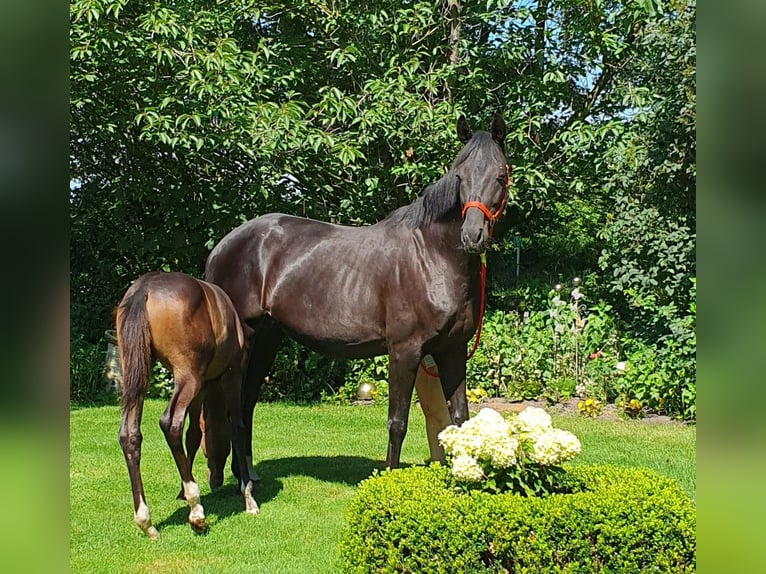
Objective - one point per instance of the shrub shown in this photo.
(373, 370)
(548, 353)
(86, 371)
(620, 520)
(300, 375)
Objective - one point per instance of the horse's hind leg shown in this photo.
(217, 432)
(193, 435)
(187, 387)
(231, 387)
(263, 347)
(130, 441)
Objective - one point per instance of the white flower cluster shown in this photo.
(554, 446)
(489, 440)
(486, 438)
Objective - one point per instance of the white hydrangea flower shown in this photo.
(554, 446)
(466, 468)
(489, 417)
(488, 439)
(533, 421)
(448, 437)
(502, 453)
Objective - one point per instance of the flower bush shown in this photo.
(522, 455)
(626, 520)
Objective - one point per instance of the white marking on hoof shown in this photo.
(251, 507)
(191, 492)
(144, 521)
(196, 513)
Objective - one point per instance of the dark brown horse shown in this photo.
(193, 329)
(407, 286)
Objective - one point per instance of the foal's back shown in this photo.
(193, 324)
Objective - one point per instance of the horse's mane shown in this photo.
(442, 197)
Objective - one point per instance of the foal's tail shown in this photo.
(134, 342)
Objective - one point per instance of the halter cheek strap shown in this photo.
(492, 217)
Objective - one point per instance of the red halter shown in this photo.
(492, 217)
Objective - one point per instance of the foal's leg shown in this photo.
(230, 384)
(187, 387)
(130, 441)
(193, 435)
(217, 433)
(452, 374)
(402, 368)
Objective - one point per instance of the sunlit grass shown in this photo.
(310, 459)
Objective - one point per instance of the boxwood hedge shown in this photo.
(619, 520)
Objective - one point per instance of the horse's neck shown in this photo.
(446, 232)
(445, 235)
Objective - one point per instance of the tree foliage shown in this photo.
(188, 118)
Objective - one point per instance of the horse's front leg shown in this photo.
(402, 368)
(452, 368)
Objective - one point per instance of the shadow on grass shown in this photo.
(227, 500)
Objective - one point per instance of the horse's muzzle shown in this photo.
(475, 238)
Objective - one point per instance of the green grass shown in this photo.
(309, 458)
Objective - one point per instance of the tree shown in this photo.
(188, 118)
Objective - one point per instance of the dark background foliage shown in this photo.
(188, 118)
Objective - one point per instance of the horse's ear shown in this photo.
(463, 130)
(497, 129)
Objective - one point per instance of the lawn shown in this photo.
(311, 459)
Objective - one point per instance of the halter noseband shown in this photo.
(492, 217)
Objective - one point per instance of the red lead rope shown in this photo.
(483, 281)
(483, 270)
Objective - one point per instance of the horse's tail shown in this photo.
(134, 342)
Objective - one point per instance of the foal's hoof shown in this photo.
(198, 525)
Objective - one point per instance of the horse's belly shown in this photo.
(338, 349)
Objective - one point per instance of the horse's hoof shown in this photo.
(215, 481)
(198, 525)
(152, 533)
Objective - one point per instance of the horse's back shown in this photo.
(274, 249)
(343, 291)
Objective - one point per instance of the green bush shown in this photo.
(86, 371)
(548, 353)
(300, 375)
(373, 371)
(621, 520)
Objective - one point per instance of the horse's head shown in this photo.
(482, 172)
